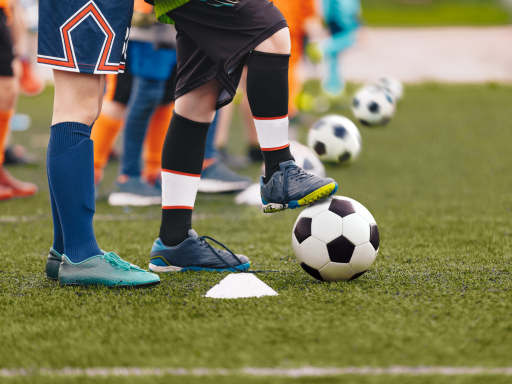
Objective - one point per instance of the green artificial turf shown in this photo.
(434, 12)
(437, 180)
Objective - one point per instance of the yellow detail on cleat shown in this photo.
(272, 209)
(319, 194)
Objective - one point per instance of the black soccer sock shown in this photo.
(182, 161)
(267, 92)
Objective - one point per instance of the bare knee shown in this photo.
(200, 103)
(8, 94)
(278, 43)
(78, 97)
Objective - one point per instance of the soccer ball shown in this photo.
(335, 139)
(335, 239)
(392, 86)
(372, 105)
(307, 159)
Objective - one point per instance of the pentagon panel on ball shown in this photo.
(335, 239)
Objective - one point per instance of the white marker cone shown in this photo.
(240, 285)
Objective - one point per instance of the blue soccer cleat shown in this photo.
(52, 264)
(107, 269)
(195, 254)
(291, 187)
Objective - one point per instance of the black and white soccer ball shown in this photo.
(307, 159)
(373, 105)
(392, 86)
(335, 138)
(335, 239)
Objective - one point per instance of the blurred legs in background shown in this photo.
(9, 84)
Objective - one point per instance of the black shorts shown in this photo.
(214, 42)
(6, 53)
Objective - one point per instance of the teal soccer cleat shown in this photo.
(107, 269)
(52, 264)
(195, 254)
(291, 187)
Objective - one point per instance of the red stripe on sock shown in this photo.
(276, 148)
(177, 207)
(181, 173)
(269, 118)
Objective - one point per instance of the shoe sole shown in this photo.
(169, 269)
(130, 199)
(144, 285)
(321, 193)
(216, 186)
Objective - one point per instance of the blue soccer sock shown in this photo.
(71, 178)
(58, 237)
(146, 95)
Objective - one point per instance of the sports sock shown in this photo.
(146, 95)
(70, 168)
(104, 135)
(5, 118)
(58, 237)
(267, 92)
(154, 142)
(182, 161)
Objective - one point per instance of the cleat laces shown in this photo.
(204, 243)
(116, 261)
(296, 173)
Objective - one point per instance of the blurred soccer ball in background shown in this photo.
(335, 139)
(392, 86)
(307, 159)
(335, 239)
(373, 105)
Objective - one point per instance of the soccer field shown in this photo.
(438, 181)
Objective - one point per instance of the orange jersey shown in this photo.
(4, 3)
(295, 15)
(141, 6)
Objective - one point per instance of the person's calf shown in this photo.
(267, 92)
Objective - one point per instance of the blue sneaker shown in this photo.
(291, 187)
(195, 254)
(136, 192)
(107, 269)
(52, 264)
(219, 178)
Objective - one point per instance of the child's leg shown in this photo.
(70, 160)
(154, 142)
(146, 95)
(182, 160)
(108, 126)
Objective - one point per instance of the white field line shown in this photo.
(286, 372)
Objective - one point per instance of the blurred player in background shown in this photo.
(145, 95)
(147, 87)
(10, 69)
(342, 20)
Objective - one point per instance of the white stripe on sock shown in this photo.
(272, 132)
(179, 189)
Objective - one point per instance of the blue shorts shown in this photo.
(88, 36)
